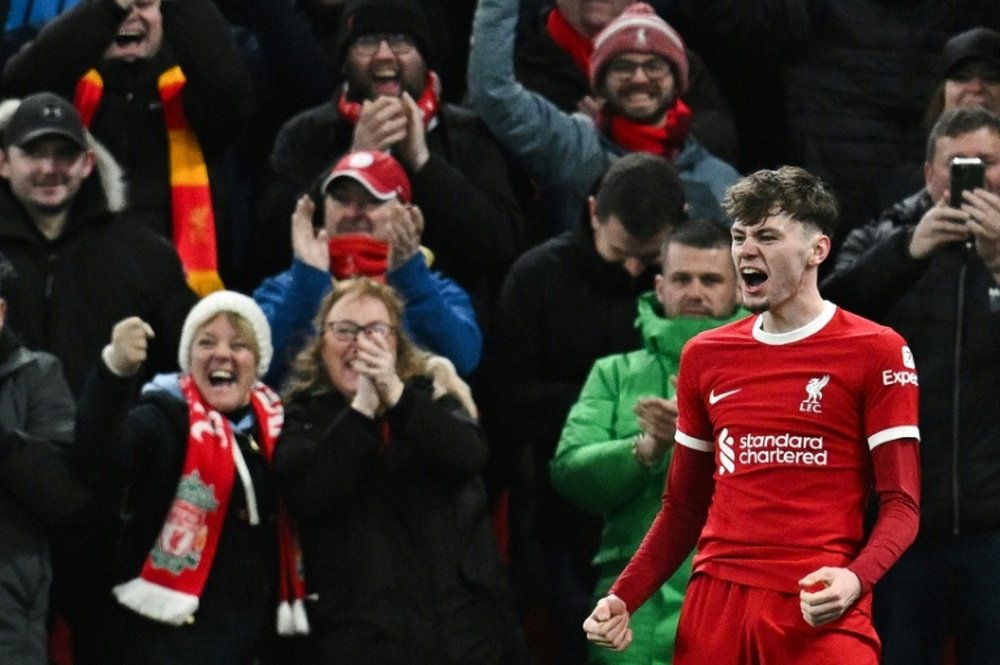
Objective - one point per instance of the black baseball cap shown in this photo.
(977, 43)
(44, 114)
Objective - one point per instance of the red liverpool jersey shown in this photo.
(792, 420)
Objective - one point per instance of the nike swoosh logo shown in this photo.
(713, 398)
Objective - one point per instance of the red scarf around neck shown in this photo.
(666, 140)
(579, 47)
(173, 577)
(429, 102)
(192, 214)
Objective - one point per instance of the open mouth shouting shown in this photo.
(387, 82)
(752, 279)
(221, 377)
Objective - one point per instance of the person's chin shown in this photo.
(643, 114)
(49, 208)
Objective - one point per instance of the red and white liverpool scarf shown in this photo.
(173, 576)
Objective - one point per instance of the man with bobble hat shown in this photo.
(638, 68)
(208, 548)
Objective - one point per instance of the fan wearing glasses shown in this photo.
(391, 102)
(638, 71)
(380, 461)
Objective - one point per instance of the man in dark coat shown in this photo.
(564, 304)
(930, 269)
(36, 486)
(81, 267)
(391, 102)
(164, 86)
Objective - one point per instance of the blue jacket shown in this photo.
(566, 153)
(438, 316)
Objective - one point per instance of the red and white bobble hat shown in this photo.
(376, 171)
(639, 30)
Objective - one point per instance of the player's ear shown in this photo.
(820, 249)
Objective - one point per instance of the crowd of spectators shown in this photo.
(493, 183)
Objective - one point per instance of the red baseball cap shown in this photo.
(376, 171)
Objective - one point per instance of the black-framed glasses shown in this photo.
(347, 331)
(399, 43)
(654, 68)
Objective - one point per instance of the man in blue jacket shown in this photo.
(367, 226)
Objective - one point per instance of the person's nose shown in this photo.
(384, 50)
(696, 292)
(45, 164)
(639, 75)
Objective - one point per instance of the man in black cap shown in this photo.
(81, 267)
(972, 70)
(391, 102)
(164, 86)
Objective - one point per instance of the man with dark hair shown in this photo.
(932, 272)
(786, 423)
(391, 102)
(618, 438)
(564, 304)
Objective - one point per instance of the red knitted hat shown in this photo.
(639, 30)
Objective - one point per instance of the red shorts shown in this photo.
(724, 623)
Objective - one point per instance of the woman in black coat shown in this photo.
(205, 539)
(380, 464)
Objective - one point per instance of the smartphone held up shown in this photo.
(966, 173)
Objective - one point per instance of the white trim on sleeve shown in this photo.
(892, 434)
(694, 444)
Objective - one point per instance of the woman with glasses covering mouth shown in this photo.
(380, 463)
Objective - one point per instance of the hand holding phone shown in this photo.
(966, 173)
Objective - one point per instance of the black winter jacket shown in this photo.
(144, 449)
(948, 310)
(70, 291)
(401, 564)
(561, 308)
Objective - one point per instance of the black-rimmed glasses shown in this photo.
(654, 68)
(399, 43)
(347, 331)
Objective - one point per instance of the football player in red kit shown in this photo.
(787, 422)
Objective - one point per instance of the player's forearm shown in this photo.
(675, 530)
(897, 483)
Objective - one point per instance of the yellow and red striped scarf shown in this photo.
(190, 195)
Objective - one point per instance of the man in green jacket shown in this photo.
(615, 446)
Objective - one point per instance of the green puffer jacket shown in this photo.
(594, 465)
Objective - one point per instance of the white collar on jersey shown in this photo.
(811, 328)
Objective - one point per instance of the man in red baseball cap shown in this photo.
(359, 220)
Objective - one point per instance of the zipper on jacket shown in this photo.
(956, 397)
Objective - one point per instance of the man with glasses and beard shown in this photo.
(391, 102)
(640, 70)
